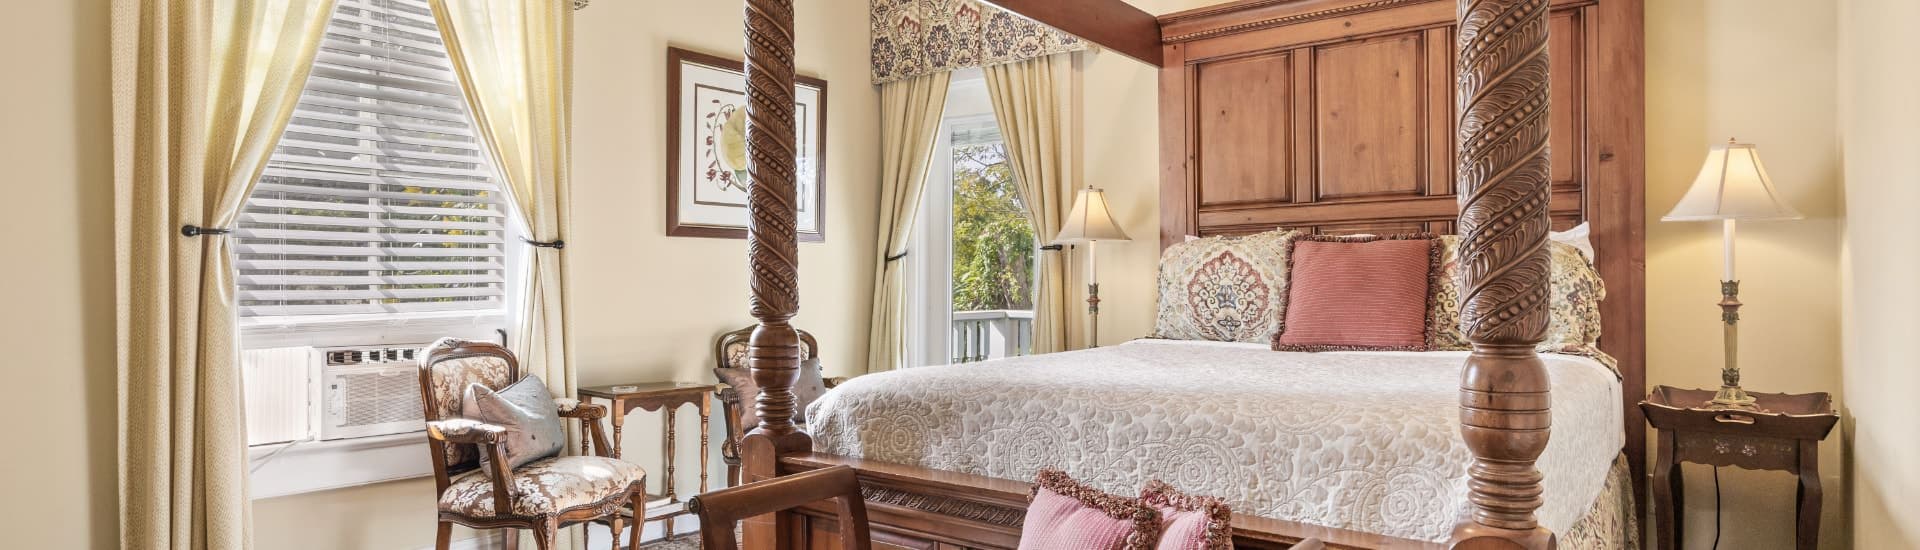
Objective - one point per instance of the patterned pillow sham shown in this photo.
(1228, 289)
(1189, 522)
(1063, 513)
(1574, 297)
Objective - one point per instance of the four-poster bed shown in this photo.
(1333, 116)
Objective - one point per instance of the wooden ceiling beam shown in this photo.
(1113, 24)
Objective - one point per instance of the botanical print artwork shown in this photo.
(1229, 299)
(917, 37)
(707, 194)
(723, 148)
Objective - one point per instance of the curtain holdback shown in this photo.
(192, 230)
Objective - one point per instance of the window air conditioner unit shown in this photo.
(369, 391)
(306, 393)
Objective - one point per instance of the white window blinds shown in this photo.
(379, 199)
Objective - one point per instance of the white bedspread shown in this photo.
(1367, 441)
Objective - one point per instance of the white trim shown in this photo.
(305, 467)
(930, 285)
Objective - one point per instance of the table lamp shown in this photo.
(1732, 185)
(1090, 222)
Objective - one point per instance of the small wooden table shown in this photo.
(652, 397)
(1783, 433)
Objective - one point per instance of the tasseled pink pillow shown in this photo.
(1189, 522)
(1062, 513)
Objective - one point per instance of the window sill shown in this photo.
(323, 465)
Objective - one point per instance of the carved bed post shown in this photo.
(773, 350)
(1503, 176)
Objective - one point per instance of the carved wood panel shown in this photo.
(1367, 118)
(1245, 114)
(1355, 134)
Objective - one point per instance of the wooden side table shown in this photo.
(1783, 433)
(652, 397)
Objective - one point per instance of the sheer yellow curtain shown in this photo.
(1030, 105)
(910, 113)
(515, 61)
(201, 92)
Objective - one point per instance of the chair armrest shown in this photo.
(836, 381)
(590, 415)
(461, 430)
(573, 408)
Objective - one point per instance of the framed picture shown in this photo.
(707, 148)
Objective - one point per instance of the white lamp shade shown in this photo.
(1090, 220)
(1732, 185)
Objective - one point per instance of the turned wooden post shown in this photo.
(773, 350)
(1503, 176)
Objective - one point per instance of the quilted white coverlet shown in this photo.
(1367, 441)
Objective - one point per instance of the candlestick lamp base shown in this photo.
(1731, 397)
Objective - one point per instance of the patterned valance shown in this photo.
(916, 37)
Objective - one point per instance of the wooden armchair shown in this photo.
(730, 356)
(720, 510)
(544, 495)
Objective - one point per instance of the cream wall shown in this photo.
(646, 306)
(58, 317)
(1878, 120)
(1759, 70)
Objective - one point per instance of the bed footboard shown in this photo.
(921, 508)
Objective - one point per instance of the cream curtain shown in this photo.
(515, 61)
(910, 113)
(1032, 107)
(201, 92)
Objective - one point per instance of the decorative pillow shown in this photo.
(1574, 297)
(1359, 293)
(1189, 522)
(1230, 289)
(526, 409)
(806, 390)
(1579, 237)
(1062, 513)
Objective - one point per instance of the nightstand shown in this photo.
(1782, 433)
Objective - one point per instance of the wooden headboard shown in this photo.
(1338, 116)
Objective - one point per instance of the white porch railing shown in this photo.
(990, 334)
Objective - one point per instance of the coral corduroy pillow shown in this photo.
(1359, 293)
(1189, 522)
(1062, 513)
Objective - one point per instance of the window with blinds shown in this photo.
(379, 199)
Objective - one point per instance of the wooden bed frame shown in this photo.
(1330, 115)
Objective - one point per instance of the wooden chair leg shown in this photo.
(443, 537)
(543, 533)
(511, 539)
(639, 500)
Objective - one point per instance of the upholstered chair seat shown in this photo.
(545, 487)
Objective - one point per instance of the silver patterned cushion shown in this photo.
(528, 412)
(1230, 289)
(544, 487)
(1574, 294)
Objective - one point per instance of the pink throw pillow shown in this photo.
(1062, 513)
(1189, 522)
(1359, 293)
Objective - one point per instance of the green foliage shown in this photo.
(993, 243)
